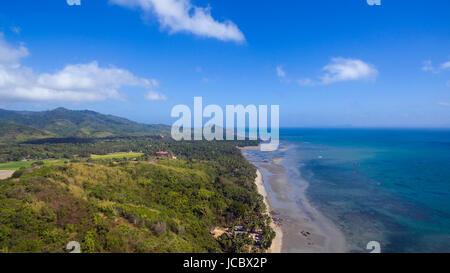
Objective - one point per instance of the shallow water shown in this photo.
(390, 186)
(304, 228)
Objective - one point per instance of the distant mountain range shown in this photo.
(61, 122)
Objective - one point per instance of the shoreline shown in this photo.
(304, 229)
(277, 242)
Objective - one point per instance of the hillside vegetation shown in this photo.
(116, 194)
(168, 206)
(62, 122)
(11, 132)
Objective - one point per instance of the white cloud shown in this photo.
(9, 55)
(428, 66)
(74, 2)
(342, 69)
(280, 72)
(445, 65)
(445, 104)
(74, 83)
(182, 16)
(153, 95)
(306, 82)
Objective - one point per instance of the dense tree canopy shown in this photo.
(119, 205)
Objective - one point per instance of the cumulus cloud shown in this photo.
(73, 83)
(342, 69)
(9, 55)
(182, 16)
(74, 2)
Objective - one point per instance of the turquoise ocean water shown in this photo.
(390, 186)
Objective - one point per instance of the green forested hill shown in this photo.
(168, 206)
(11, 132)
(144, 203)
(69, 123)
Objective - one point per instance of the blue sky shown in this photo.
(326, 63)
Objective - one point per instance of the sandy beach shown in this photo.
(277, 241)
(300, 228)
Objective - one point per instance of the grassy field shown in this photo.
(116, 155)
(15, 165)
